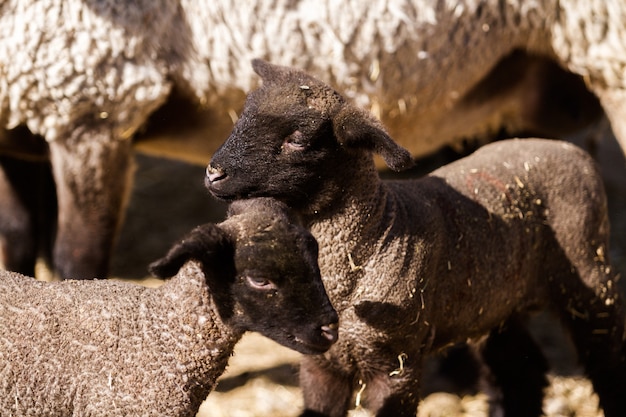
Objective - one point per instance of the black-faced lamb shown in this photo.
(85, 75)
(109, 348)
(412, 266)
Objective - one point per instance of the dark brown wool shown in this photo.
(413, 266)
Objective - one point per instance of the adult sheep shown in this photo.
(109, 348)
(86, 74)
(413, 266)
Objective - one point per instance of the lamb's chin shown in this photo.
(222, 195)
(310, 347)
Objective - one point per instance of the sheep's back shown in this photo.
(535, 177)
(540, 213)
(494, 226)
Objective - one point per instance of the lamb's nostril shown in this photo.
(331, 332)
(214, 174)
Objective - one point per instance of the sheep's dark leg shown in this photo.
(326, 393)
(403, 399)
(596, 325)
(614, 103)
(92, 171)
(402, 402)
(396, 391)
(515, 371)
(18, 248)
(27, 213)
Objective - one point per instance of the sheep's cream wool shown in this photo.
(86, 75)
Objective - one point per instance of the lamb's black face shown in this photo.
(280, 149)
(299, 141)
(278, 290)
(261, 269)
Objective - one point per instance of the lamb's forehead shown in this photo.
(267, 238)
(295, 90)
(265, 226)
(273, 246)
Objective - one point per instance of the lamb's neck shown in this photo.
(357, 217)
(355, 223)
(202, 341)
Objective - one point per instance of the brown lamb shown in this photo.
(108, 348)
(412, 266)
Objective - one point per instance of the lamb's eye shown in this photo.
(259, 282)
(295, 141)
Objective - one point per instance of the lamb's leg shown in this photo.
(515, 371)
(326, 393)
(92, 171)
(395, 394)
(596, 324)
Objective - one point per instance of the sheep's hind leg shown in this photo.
(92, 172)
(515, 371)
(326, 393)
(596, 324)
(18, 249)
(614, 103)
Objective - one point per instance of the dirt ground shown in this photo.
(169, 199)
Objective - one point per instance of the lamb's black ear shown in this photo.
(269, 73)
(354, 127)
(208, 244)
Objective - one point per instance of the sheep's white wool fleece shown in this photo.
(410, 62)
(106, 348)
(64, 60)
(591, 39)
(386, 49)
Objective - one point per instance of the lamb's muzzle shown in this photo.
(213, 175)
(331, 332)
(318, 338)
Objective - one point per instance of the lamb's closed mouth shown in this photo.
(320, 347)
(224, 197)
(219, 195)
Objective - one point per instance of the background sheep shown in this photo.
(413, 266)
(117, 349)
(86, 74)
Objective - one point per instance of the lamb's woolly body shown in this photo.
(413, 267)
(465, 253)
(107, 348)
(125, 349)
(479, 217)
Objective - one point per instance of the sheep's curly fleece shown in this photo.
(411, 62)
(86, 74)
(80, 385)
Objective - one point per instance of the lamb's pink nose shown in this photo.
(330, 332)
(214, 174)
